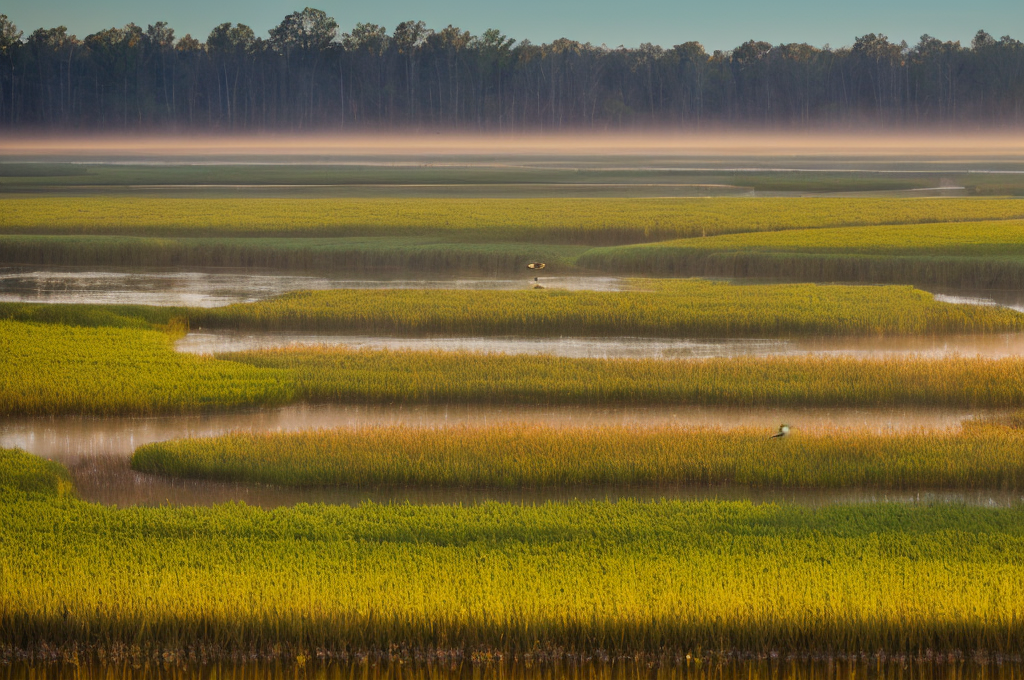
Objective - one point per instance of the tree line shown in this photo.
(306, 74)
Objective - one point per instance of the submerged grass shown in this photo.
(966, 255)
(588, 221)
(517, 455)
(619, 578)
(48, 369)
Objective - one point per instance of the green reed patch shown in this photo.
(661, 308)
(516, 455)
(365, 376)
(20, 471)
(51, 368)
(587, 221)
(968, 255)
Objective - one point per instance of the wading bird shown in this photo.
(783, 431)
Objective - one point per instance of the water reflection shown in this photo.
(69, 438)
(109, 480)
(215, 289)
(989, 346)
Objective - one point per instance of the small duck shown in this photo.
(783, 432)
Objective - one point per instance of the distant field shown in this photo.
(49, 369)
(977, 457)
(619, 578)
(968, 254)
(595, 221)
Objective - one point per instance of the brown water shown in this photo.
(989, 346)
(69, 438)
(218, 288)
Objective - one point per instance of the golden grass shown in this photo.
(660, 308)
(623, 577)
(593, 221)
(56, 369)
(515, 455)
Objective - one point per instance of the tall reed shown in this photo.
(514, 455)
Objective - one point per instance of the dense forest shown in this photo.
(307, 74)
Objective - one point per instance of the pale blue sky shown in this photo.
(716, 24)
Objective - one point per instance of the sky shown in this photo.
(717, 24)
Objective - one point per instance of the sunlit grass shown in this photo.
(661, 308)
(517, 455)
(968, 255)
(594, 221)
(623, 577)
(56, 369)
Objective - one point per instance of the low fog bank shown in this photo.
(1007, 145)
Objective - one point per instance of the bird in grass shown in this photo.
(536, 265)
(783, 432)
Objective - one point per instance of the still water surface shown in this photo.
(991, 346)
(215, 289)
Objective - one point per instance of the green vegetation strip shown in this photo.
(969, 254)
(987, 457)
(623, 577)
(48, 369)
(301, 254)
(590, 221)
(681, 309)
(659, 308)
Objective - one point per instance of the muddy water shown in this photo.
(989, 346)
(214, 289)
(70, 438)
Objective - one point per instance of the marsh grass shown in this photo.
(657, 308)
(296, 254)
(588, 221)
(661, 308)
(50, 369)
(384, 377)
(965, 255)
(522, 455)
(617, 578)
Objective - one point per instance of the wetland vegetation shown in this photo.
(545, 574)
(50, 369)
(517, 454)
(625, 577)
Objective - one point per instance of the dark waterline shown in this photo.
(109, 480)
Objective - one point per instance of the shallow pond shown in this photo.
(990, 346)
(215, 289)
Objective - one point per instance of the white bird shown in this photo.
(783, 431)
